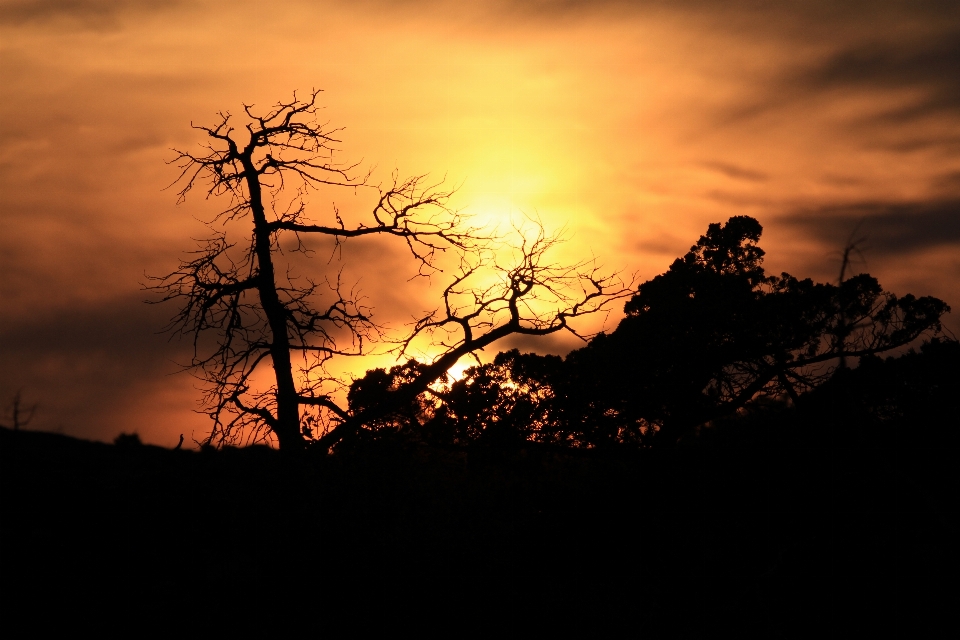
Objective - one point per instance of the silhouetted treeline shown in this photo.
(837, 512)
(630, 481)
(699, 342)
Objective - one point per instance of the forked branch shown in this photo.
(529, 296)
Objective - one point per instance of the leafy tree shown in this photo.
(699, 342)
(714, 332)
(248, 316)
(911, 400)
(495, 404)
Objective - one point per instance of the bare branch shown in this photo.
(20, 415)
(530, 296)
(263, 340)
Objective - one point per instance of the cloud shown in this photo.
(89, 366)
(559, 343)
(902, 57)
(88, 120)
(949, 182)
(796, 9)
(889, 228)
(96, 14)
(736, 172)
(928, 64)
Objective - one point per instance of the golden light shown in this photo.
(633, 129)
(457, 371)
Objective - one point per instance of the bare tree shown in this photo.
(20, 415)
(853, 246)
(487, 301)
(259, 318)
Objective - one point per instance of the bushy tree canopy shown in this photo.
(698, 342)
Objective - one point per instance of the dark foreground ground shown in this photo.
(776, 528)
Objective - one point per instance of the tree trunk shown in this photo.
(287, 427)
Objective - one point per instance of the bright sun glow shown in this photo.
(457, 371)
(632, 128)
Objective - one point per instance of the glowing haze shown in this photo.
(633, 127)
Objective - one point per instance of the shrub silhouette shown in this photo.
(127, 440)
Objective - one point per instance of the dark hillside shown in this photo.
(782, 518)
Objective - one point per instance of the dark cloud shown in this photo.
(889, 228)
(904, 55)
(107, 13)
(736, 172)
(798, 10)
(931, 65)
(110, 327)
(85, 364)
(663, 244)
(949, 182)
(737, 199)
(919, 142)
(560, 343)
(95, 14)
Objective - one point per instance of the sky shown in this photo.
(630, 125)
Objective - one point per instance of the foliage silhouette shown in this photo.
(908, 399)
(522, 488)
(730, 532)
(698, 343)
(128, 440)
(238, 298)
(715, 332)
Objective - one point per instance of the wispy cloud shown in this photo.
(634, 124)
(95, 368)
(736, 172)
(928, 65)
(889, 228)
(95, 14)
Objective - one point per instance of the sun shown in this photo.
(459, 370)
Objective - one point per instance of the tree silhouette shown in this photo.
(714, 332)
(698, 343)
(498, 404)
(260, 318)
(530, 297)
(20, 414)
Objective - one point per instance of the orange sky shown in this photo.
(634, 127)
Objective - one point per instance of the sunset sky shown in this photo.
(631, 124)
